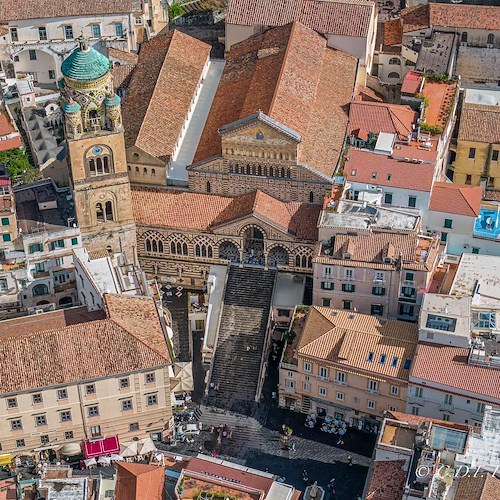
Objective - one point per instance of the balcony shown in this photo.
(372, 391)
(64, 286)
(409, 299)
(290, 390)
(447, 407)
(415, 400)
(340, 382)
(477, 415)
(288, 366)
(322, 379)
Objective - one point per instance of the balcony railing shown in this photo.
(290, 390)
(372, 391)
(415, 400)
(323, 379)
(288, 366)
(340, 382)
(447, 407)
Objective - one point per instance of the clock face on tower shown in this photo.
(97, 150)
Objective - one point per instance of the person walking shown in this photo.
(349, 460)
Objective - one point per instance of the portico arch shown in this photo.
(229, 250)
(278, 256)
(253, 243)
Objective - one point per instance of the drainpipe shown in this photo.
(82, 411)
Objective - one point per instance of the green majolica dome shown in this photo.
(85, 63)
(71, 107)
(112, 101)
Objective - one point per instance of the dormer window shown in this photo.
(347, 256)
(388, 260)
(374, 175)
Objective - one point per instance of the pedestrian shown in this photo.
(349, 460)
(305, 477)
(293, 447)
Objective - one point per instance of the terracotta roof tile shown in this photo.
(447, 366)
(412, 82)
(366, 94)
(122, 75)
(480, 123)
(451, 16)
(456, 199)
(387, 480)
(363, 164)
(352, 336)
(71, 345)
(27, 9)
(373, 247)
(336, 17)
(201, 212)
(482, 486)
(381, 117)
(13, 143)
(160, 92)
(139, 481)
(415, 420)
(300, 83)
(393, 32)
(121, 55)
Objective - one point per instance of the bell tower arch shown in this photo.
(96, 147)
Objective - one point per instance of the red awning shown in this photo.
(101, 447)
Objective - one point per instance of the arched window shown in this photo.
(394, 60)
(109, 211)
(491, 39)
(303, 258)
(248, 169)
(259, 136)
(153, 243)
(208, 187)
(40, 289)
(311, 197)
(129, 168)
(463, 38)
(271, 172)
(178, 246)
(136, 170)
(153, 172)
(145, 171)
(99, 213)
(259, 170)
(288, 172)
(393, 74)
(92, 167)
(282, 171)
(106, 164)
(203, 249)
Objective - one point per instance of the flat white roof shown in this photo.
(471, 270)
(289, 290)
(448, 306)
(385, 142)
(101, 271)
(482, 96)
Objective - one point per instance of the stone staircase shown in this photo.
(241, 337)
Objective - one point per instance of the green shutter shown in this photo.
(6, 237)
(74, 241)
(5, 221)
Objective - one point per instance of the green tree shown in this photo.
(176, 10)
(17, 162)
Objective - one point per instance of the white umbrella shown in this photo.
(104, 460)
(114, 457)
(128, 449)
(89, 461)
(145, 446)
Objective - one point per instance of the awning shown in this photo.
(48, 447)
(5, 459)
(145, 446)
(70, 449)
(104, 446)
(129, 449)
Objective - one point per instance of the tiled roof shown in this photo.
(374, 247)
(161, 90)
(412, 82)
(456, 199)
(13, 143)
(122, 75)
(71, 345)
(482, 486)
(43, 9)
(393, 32)
(388, 171)
(121, 55)
(6, 126)
(335, 17)
(381, 117)
(366, 94)
(447, 366)
(450, 16)
(480, 123)
(415, 420)
(289, 74)
(202, 212)
(139, 481)
(352, 336)
(387, 480)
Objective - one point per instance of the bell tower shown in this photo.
(96, 148)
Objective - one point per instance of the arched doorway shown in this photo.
(278, 256)
(253, 243)
(229, 251)
(65, 302)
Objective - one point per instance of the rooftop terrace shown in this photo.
(487, 225)
(440, 97)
